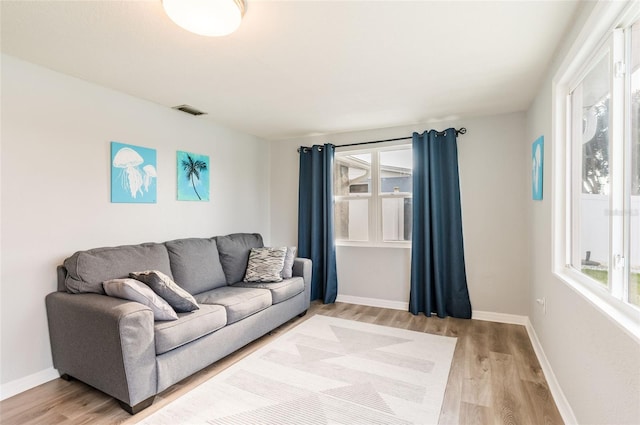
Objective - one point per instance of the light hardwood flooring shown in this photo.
(495, 377)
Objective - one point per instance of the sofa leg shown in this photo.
(66, 377)
(138, 407)
(304, 313)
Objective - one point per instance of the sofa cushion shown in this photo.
(265, 265)
(280, 291)
(189, 327)
(234, 253)
(195, 264)
(239, 302)
(86, 270)
(134, 290)
(178, 298)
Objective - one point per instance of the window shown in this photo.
(604, 139)
(597, 164)
(373, 196)
(591, 110)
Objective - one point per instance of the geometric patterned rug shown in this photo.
(325, 371)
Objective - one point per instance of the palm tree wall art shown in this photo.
(193, 177)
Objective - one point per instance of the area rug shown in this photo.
(325, 371)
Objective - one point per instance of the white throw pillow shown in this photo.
(289, 258)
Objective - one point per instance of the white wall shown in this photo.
(55, 186)
(494, 192)
(595, 363)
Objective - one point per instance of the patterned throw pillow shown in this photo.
(265, 265)
(178, 298)
(131, 289)
(289, 258)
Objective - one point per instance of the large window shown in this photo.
(373, 194)
(604, 142)
(597, 185)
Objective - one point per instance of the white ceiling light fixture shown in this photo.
(210, 18)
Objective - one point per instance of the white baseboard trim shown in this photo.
(373, 302)
(564, 407)
(490, 316)
(23, 384)
(400, 305)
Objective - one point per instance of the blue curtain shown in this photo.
(438, 277)
(315, 220)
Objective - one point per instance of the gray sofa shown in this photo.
(115, 345)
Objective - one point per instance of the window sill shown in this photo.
(626, 317)
(394, 245)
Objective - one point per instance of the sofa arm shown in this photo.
(302, 267)
(105, 342)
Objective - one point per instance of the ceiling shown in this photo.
(297, 68)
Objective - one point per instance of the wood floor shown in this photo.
(495, 377)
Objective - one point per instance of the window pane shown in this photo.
(591, 191)
(352, 220)
(395, 171)
(396, 219)
(352, 174)
(634, 202)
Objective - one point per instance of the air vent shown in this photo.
(189, 110)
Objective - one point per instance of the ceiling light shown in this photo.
(206, 17)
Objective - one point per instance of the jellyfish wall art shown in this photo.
(193, 177)
(133, 174)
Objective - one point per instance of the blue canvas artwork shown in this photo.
(193, 177)
(537, 162)
(133, 174)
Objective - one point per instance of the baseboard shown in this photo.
(373, 302)
(489, 316)
(23, 384)
(400, 305)
(562, 403)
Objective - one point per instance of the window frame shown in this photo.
(375, 196)
(601, 25)
(574, 174)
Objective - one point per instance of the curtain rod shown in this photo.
(461, 130)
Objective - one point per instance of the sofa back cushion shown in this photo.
(195, 264)
(86, 270)
(234, 253)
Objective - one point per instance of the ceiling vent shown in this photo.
(189, 110)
